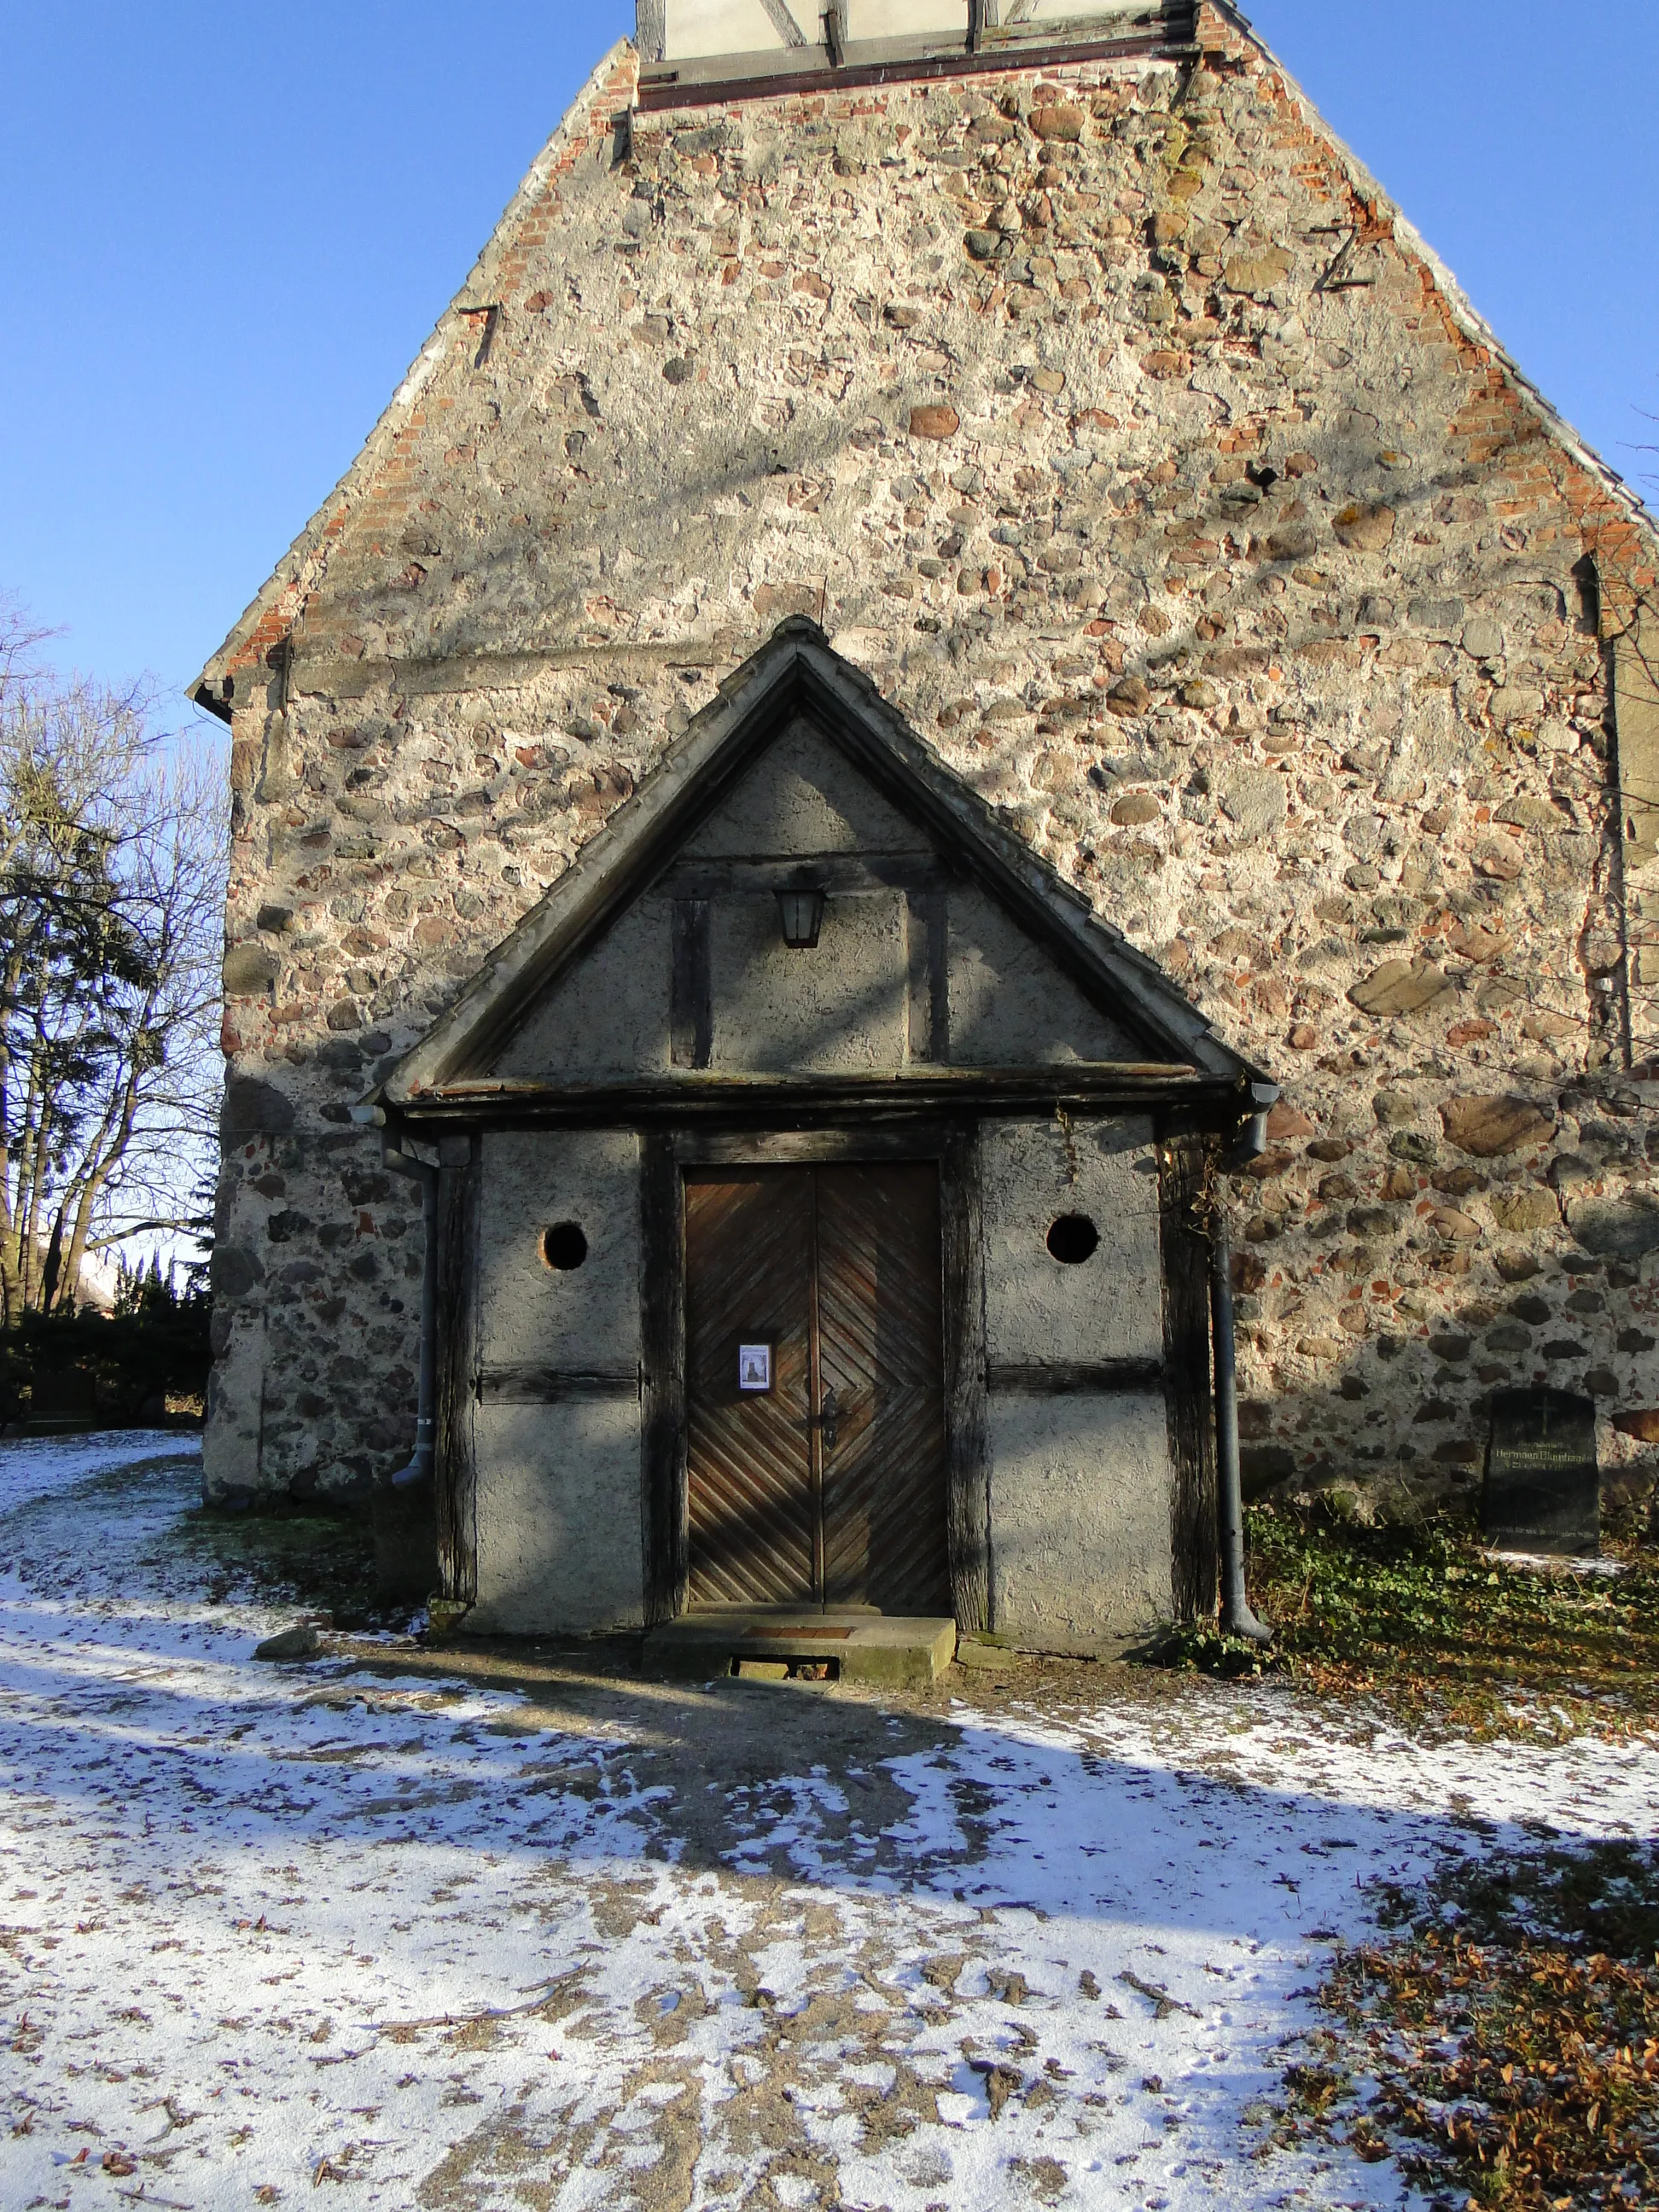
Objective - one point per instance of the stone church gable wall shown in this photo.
(1111, 420)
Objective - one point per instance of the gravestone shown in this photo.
(1543, 1489)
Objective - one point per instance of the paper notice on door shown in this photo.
(754, 1367)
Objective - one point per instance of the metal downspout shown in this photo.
(1236, 1617)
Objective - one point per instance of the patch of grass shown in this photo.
(318, 1562)
(1508, 2035)
(1418, 1612)
(1201, 1648)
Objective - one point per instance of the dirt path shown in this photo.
(402, 1929)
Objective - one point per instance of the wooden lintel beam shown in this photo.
(669, 89)
(1209, 1101)
(1063, 1378)
(553, 1386)
(842, 875)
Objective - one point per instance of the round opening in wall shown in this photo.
(563, 1247)
(1073, 1239)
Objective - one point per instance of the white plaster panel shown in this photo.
(610, 1014)
(902, 19)
(804, 796)
(1080, 1504)
(1038, 1312)
(694, 29)
(1063, 14)
(235, 1405)
(560, 1549)
(1010, 1006)
(842, 1004)
(587, 1319)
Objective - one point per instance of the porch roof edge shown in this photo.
(798, 668)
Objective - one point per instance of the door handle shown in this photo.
(824, 1418)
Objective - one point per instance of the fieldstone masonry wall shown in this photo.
(1113, 422)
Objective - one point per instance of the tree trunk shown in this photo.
(51, 1271)
(102, 1160)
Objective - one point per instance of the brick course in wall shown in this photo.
(1116, 424)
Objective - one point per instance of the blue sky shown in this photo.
(226, 229)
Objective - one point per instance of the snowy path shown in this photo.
(264, 1930)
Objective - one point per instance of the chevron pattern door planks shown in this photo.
(829, 1487)
(880, 1349)
(748, 1280)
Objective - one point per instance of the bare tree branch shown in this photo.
(111, 883)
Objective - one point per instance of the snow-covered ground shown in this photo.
(417, 1943)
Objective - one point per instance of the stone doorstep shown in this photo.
(987, 1656)
(890, 1650)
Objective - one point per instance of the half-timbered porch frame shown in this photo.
(646, 1026)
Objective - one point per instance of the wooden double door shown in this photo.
(814, 1388)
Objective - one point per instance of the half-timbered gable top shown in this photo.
(685, 43)
(942, 942)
